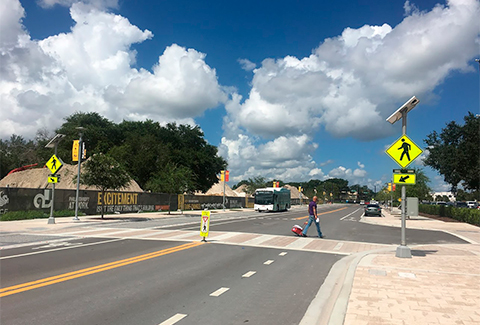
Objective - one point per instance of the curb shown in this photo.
(329, 307)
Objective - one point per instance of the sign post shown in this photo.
(54, 143)
(205, 226)
(224, 177)
(403, 148)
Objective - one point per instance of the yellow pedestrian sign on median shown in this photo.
(54, 164)
(405, 179)
(404, 151)
(204, 228)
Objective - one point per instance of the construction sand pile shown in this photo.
(241, 191)
(38, 178)
(217, 190)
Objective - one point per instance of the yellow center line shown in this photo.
(319, 214)
(91, 270)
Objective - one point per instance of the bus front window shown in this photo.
(264, 198)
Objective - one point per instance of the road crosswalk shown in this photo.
(311, 244)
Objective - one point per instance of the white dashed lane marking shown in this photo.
(249, 274)
(283, 253)
(219, 292)
(172, 320)
(268, 262)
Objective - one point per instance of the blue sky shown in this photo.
(292, 90)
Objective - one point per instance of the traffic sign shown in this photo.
(54, 164)
(52, 179)
(204, 228)
(405, 179)
(404, 151)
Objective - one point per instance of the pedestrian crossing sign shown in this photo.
(205, 227)
(54, 164)
(404, 151)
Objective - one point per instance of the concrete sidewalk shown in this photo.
(440, 284)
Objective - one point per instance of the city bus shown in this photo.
(272, 199)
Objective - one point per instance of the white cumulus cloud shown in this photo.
(352, 82)
(90, 69)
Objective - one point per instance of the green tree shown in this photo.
(104, 172)
(420, 189)
(146, 147)
(171, 179)
(188, 148)
(17, 152)
(455, 153)
(99, 135)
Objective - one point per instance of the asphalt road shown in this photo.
(262, 287)
(126, 281)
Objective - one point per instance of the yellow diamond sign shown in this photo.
(404, 151)
(54, 164)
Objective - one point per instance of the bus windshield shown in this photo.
(264, 197)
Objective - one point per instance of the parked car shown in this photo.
(362, 202)
(472, 204)
(373, 209)
(461, 205)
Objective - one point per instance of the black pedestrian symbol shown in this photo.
(406, 147)
(54, 163)
(204, 228)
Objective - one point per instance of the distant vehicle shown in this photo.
(362, 202)
(440, 203)
(461, 205)
(373, 209)
(272, 199)
(472, 204)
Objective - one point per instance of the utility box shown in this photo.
(412, 207)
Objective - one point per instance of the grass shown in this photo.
(25, 215)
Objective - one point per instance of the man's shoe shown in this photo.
(322, 236)
(303, 235)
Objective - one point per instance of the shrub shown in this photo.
(471, 216)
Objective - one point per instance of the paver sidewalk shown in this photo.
(440, 284)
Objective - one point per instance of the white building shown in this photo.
(450, 196)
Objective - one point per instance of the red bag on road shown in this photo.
(298, 230)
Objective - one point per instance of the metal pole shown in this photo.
(51, 219)
(391, 196)
(403, 250)
(224, 177)
(78, 175)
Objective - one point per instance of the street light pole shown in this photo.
(80, 129)
(403, 250)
